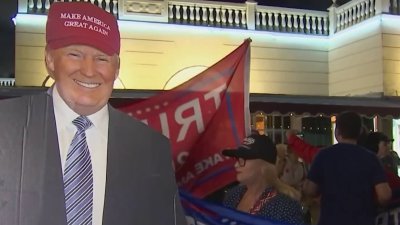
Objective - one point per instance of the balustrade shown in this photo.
(42, 6)
(295, 21)
(7, 82)
(394, 7)
(207, 13)
(247, 15)
(354, 12)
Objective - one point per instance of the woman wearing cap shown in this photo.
(379, 143)
(260, 191)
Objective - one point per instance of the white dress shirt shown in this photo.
(97, 138)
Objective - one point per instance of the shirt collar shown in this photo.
(98, 119)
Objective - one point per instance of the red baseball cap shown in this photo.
(82, 23)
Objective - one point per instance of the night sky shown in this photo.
(8, 10)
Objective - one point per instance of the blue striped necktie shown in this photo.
(78, 177)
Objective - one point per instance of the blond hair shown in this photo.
(270, 173)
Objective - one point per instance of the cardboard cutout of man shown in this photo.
(131, 176)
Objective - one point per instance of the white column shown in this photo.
(178, 12)
(39, 4)
(244, 16)
(197, 13)
(302, 23)
(237, 21)
(205, 14)
(115, 7)
(276, 20)
(223, 16)
(211, 15)
(107, 6)
(251, 14)
(382, 6)
(218, 15)
(191, 13)
(230, 16)
(289, 22)
(283, 21)
(332, 19)
(23, 6)
(184, 11)
(171, 11)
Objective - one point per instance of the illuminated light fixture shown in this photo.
(31, 20)
(359, 30)
(390, 21)
(291, 39)
(375, 121)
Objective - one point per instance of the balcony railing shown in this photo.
(248, 15)
(291, 20)
(208, 13)
(7, 82)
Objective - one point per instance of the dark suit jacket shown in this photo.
(140, 186)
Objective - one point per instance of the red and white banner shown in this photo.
(201, 117)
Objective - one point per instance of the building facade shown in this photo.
(347, 50)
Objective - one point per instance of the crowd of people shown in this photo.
(297, 183)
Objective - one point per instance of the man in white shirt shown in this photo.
(130, 178)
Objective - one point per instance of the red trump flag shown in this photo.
(201, 117)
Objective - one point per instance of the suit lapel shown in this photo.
(121, 204)
(139, 185)
(54, 202)
(42, 174)
(112, 195)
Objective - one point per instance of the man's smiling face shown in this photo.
(84, 76)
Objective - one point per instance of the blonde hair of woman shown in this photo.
(269, 171)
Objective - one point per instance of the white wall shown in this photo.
(391, 55)
(355, 60)
(153, 52)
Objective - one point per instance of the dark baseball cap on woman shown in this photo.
(255, 146)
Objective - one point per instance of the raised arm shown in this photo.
(304, 150)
